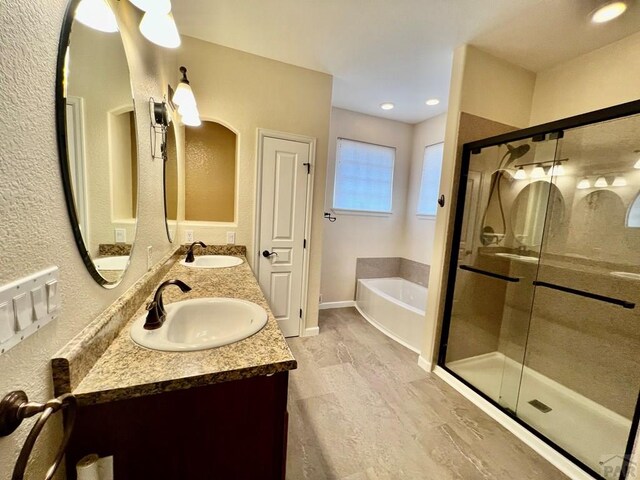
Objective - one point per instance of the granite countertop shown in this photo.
(126, 370)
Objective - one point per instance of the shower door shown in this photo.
(582, 365)
(501, 231)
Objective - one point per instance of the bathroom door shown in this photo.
(282, 244)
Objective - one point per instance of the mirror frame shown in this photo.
(170, 130)
(63, 150)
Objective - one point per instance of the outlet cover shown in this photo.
(188, 236)
(121, 235)
(231, 238)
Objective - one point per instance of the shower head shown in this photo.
(517, 152)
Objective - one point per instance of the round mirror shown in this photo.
(171, 181)
(97, 141)
(529, 212)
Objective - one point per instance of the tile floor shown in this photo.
(361, 409)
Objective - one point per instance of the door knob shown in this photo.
(441, 201)
(267, 254)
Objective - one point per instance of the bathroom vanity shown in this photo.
(217, 413)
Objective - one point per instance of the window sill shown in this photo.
(364, 213)
(425, 216)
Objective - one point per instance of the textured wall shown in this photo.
(210, 173)
(343, 239)
(35, 231)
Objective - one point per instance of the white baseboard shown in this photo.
(345, 304)
(424, 364)
(311, 332)
(558, 460)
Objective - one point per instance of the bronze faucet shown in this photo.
(157, 314)
(190, 258)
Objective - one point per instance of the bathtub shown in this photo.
(395, 307)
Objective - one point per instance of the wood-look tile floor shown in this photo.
(361, 409)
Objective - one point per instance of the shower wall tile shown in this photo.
(415, 272)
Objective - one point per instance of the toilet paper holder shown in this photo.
(15, 407)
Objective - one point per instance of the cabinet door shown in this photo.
(582, 365)
(499, 234)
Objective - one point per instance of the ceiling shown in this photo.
(400, 51)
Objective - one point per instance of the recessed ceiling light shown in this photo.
(432, 101)
(387, 106)
(608, 12)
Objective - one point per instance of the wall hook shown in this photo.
(329, 217)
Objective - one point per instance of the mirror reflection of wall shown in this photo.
(101, 147)
(210, 173)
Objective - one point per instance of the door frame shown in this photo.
(311, 143)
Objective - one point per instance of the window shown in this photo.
(364, 177)
(430, 182)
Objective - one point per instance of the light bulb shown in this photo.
(608, 12)
(520, 174)
(156, 6)
(556, 170)
(97, 14)
(432, 101)
(537, 172)
(387, 106)
(160, 29)
(601, 182)
(619, 181)
(584, 183)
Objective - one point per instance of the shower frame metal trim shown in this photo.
(555, 127)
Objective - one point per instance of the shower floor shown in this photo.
(586, 429)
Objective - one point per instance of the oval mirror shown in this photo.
(529, 212)
(97, 144)
(171, 180)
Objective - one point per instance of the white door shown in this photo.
(285, 168)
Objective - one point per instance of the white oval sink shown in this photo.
(111, 263)
(213, 261)
(201, 323)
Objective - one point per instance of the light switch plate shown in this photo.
(26, 305)
(188, 237)
(231, 238)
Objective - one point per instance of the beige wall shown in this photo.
(602, 78)
(36, 231)
(245, 92)
(210, 173)
(419, 231)
(353, 236)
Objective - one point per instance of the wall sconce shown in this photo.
(157, 24)
(160, 120)
(184, 99)
(584, 184)
(96, 14)
(619, 181)
(538, 171)
(601, 182)
(520, 174)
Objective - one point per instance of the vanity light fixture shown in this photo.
(556, 170)
(97, 14)
(601, 182)
(538, 171)
(387, 106)
(608, 11)
(432, 102)
(619, 181)
(584, 184)
(184, 99)
(520, 174)
(161, 29)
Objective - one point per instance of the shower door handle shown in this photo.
(582, 293)
(489, 274)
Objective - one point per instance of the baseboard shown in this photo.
(558, 460)
(311, 332)
(345, 304)
(424, 364)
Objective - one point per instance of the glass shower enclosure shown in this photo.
(543, 304)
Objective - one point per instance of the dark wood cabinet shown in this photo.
(230, 430)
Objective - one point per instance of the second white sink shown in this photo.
(200, 324)
(213, 261)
